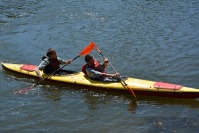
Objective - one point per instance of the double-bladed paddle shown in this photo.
(122, 81)
(85, 51)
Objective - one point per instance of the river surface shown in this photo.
(148, 39)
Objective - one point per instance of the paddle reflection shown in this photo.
(193, 103)
(132, 106)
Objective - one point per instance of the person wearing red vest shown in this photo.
(50, 63)
(94, 70)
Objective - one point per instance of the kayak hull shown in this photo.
(139, 86)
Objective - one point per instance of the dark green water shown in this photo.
(148, 39)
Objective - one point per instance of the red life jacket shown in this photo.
(96, 66)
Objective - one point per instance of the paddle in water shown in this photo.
(122, 81)
(85, 51)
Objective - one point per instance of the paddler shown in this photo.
(94, 70)
(50, 63)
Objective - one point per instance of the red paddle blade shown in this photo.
(88, 49)
(24, 90)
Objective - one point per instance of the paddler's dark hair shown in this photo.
(50, 51)
(88, 58)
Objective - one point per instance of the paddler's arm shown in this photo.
(37, 71)
(41, 66)
(105, 64)
(63, 61)
(116, 75)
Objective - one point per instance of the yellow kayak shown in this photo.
(139, 86)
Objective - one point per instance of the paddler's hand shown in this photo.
(116, 75)
(69, 61)
(106, 62)
(41, 78)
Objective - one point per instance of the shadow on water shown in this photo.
(193, 103)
